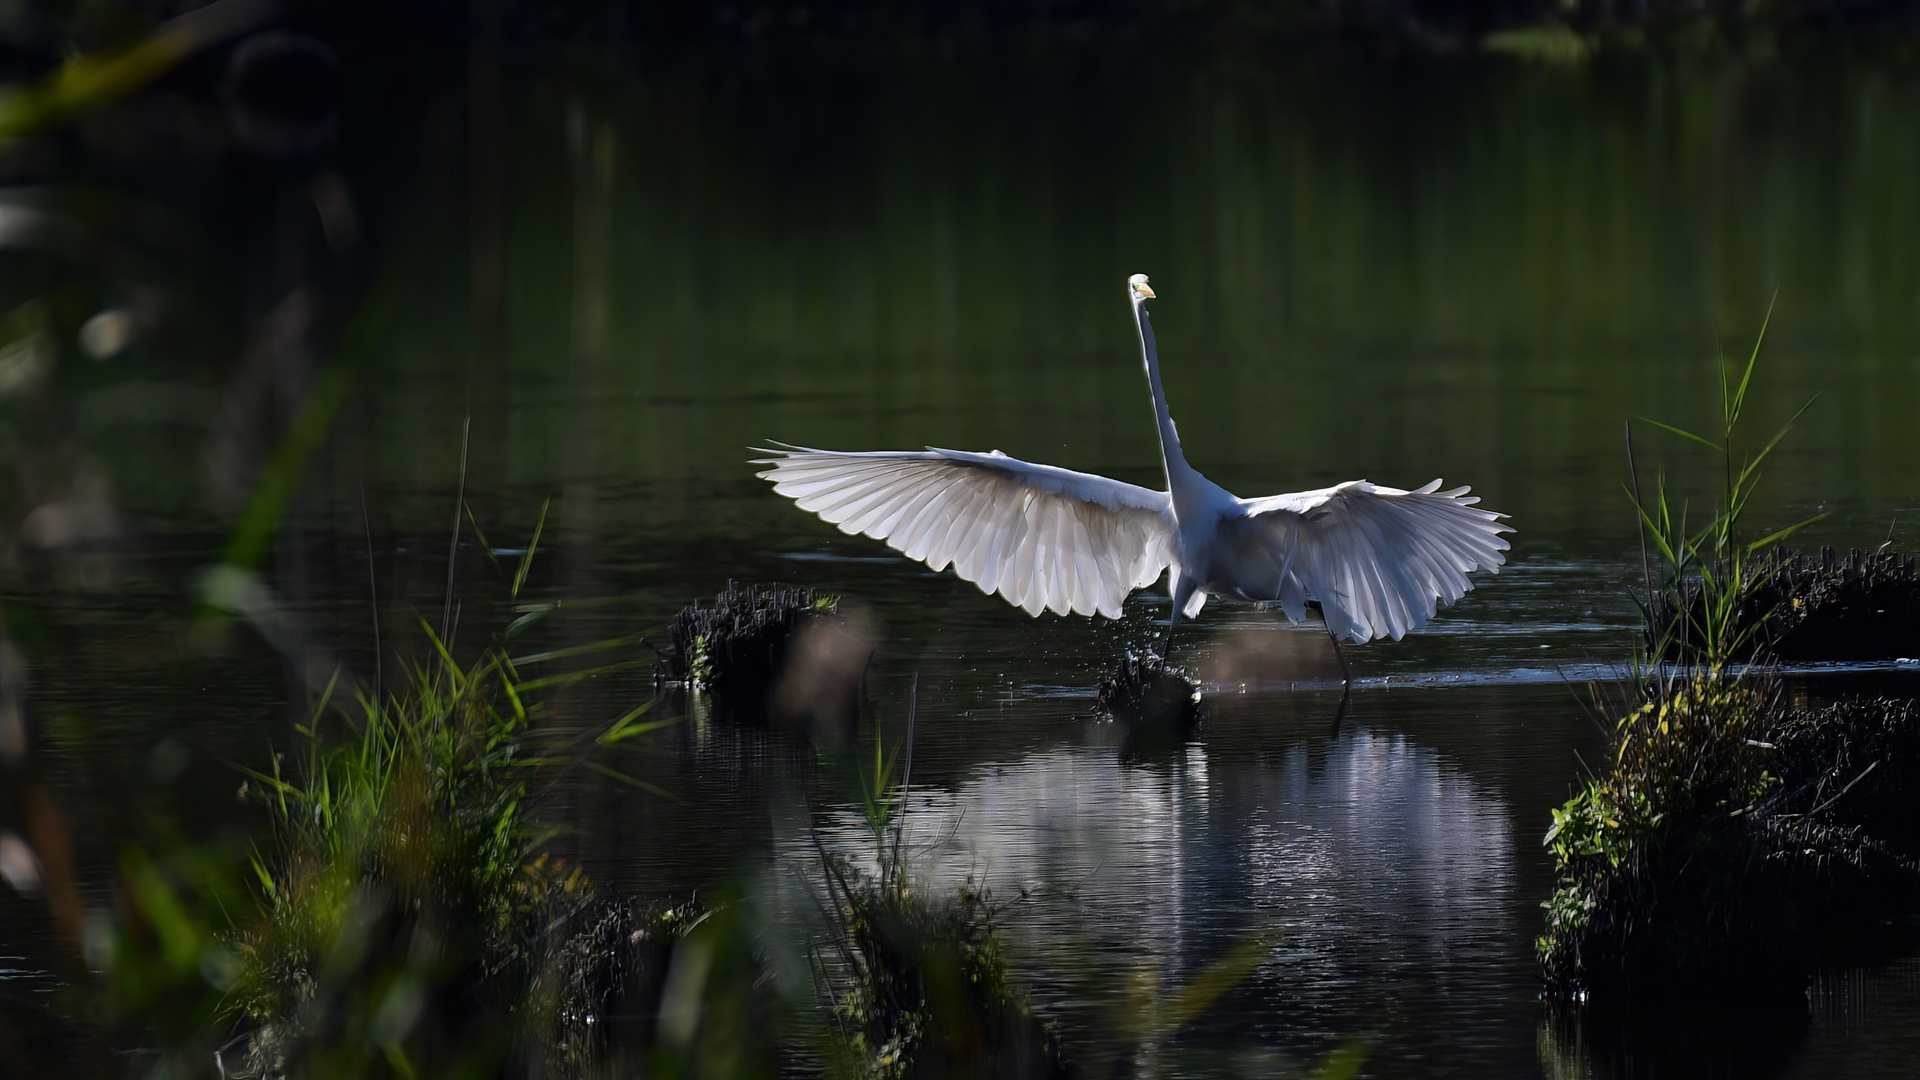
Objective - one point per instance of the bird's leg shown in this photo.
(1346, 673)
(1340, 713)
(1346, 685)
(1180, 588)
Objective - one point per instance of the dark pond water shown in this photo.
(1385, 269)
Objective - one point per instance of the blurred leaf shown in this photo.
(632, 781)
(627, 726)
(1175, 1010)
(100, 78)
(1344, 1061)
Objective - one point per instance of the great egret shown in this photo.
(1374, 559)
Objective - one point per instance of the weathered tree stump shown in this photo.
(768, 652)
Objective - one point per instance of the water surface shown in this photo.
(1385, 269)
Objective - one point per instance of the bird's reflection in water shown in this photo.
(1386, 874)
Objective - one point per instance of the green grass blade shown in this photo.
(531, 617)
(1753, 359)
(639, 729)
(628, 726)
(578, 650)
(513, 695)
(456, 676)
(485, 544)
(526, 559)
(1343, 1062)
(1684, 433)
(576, 676)
(651, 789)
(1778, 535)
(1223, 974)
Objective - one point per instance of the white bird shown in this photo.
(1375, 560)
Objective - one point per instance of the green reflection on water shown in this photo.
(1384, 270)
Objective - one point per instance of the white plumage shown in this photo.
(1377, 560)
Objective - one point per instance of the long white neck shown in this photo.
(1175, 463)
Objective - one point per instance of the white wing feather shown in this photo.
(1377, 559)
(1040, 536)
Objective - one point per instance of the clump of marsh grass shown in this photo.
(390, 920)
(927, 991)
(1724, 843)
(1704, 610)
(1731, 843)
(608, 977)
(402, 898)
(650, 990)
(918, 983)
(400, 917)
(1663, 865)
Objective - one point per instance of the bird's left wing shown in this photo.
(1377, 559)
(1040, 536)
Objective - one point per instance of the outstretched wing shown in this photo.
(1377, 559)
(1040, 536)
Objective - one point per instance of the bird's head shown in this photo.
(1138, 284)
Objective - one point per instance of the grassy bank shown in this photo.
(1736, 836)
(1733, 843)
(390, 920)
(399, 916)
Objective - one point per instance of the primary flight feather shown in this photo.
(1376, 560)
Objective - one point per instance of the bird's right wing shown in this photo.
(1040, 536)
(1377, 559)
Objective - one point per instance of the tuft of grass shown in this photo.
(918, 983)
(392, 920)
(1733, 841)
(1701, 609)
(638, 990)
(402, 897)
(1659, 854)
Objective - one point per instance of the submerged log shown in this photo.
(1831, 607)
